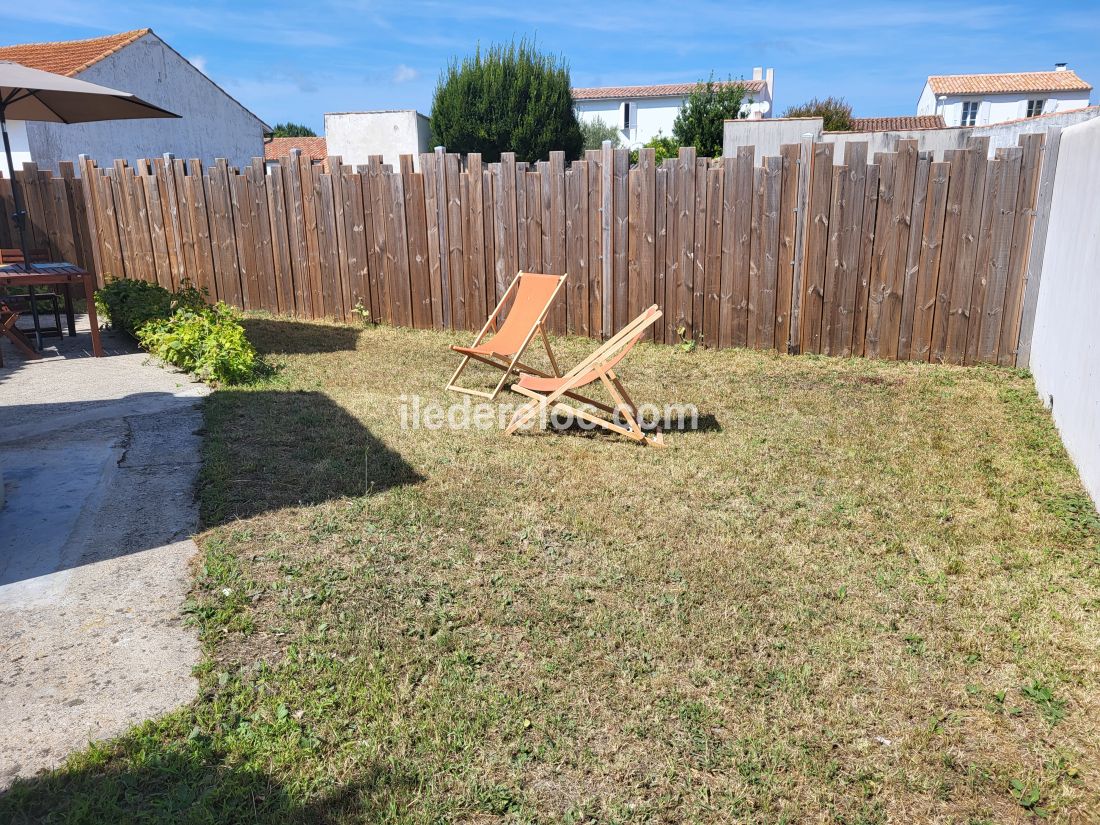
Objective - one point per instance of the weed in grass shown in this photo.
(1052, 709)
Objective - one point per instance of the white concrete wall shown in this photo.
(354, 136)
(1065, 349)
(769, 135)
(213, 124)
(998, 108)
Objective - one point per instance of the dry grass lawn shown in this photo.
(862, 592)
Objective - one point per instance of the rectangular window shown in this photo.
(1035, 107)
(628, 119)
(970, 112)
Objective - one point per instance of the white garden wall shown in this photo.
(1065, 349)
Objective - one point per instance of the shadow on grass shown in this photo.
(282, 337)
(180, 785)
(266, 450)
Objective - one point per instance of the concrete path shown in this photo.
(99, 460)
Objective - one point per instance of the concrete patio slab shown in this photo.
(99, 458)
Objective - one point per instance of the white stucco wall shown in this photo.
(997, 108)
(768, 135)
(654, 115)
(213, 124)
(20, 150)
(354, 136)
(1065, 349)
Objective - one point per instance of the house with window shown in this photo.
(640, 113)
(981, 99)
(212, 124)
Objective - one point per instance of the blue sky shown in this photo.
(298, 60)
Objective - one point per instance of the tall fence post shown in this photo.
(802, 208)
(87, 169)
(1038, 244)
(444, 247)
(174, 212)
(607, 163)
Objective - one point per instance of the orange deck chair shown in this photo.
(534, 293)
(599, 366)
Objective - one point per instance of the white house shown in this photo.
(212, 124)
(980, 99)
(641, 112)
(355, 136)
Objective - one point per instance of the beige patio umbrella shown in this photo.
(32, 94)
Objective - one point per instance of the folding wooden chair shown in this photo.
(534, 293)
(9, 330)
(599, 366)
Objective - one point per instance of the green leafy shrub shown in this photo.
(663, 147)
(208, 342)
(596, 131)
(836, 112)
(700, 122)
(508, 98)
(181, 328)
(129, 304)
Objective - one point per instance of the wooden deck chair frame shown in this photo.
(8, 329)
(599, 362)
(513, 364)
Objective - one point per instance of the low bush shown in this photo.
(208, 342)
(129, 304)
(180, 328)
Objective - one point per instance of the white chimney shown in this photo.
(758, 73)
(769, 78)
(1059, 67)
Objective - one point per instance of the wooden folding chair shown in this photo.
(534, 293)
(9, 330)
(599, 366)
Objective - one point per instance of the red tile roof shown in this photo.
(976, 84)
(900, 123)
(314, 148)
(663, 90)
(69, 57)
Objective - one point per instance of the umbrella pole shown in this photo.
(20, 218)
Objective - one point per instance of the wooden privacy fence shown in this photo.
(56, 219)
(900, 257)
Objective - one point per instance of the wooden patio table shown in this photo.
(58, 274)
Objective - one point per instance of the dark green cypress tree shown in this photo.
(507, 99)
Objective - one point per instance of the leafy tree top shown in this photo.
(835, 111)
(289, 129)
(699, 122)
(507, 98)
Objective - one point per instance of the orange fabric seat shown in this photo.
(532, 293)
(599, 366)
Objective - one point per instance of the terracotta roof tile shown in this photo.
(314, 148)
(69, 57)
(902, 122)
(663, 90)
(976, 84)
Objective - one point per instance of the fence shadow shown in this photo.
(265, 450)
(285, 337)
(185, 784)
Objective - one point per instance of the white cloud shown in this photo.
(199, 62)
(405, 74)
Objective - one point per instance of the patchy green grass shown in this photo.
(865, 592)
